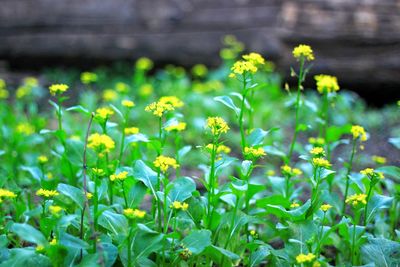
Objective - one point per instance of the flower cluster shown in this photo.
(242, 67)
(317, 152)
(358, 132)
(217, 125)
(42, 159)
(109, 95)
(181, 126)
(47, 193)
(122, 87)
(172, 100)
(3, 90)
(88, 77)
(144, 64)
(159, 108)
(304, 258)
(316, 141)
(220, 149)
(101, 142)
(325, 207)
(252, 152)
(289, 171)
(98, 172)
(379, 159)
(134, 213)
(294, 205)
(119, 176)
(303, 51)
(55, 210)
(371, 173)
(326, 83)
(103, 114)
(164, 163)
(356, 199)
(177, 205)
(254, 58)
(321, 162)
(25, 128)
(128, 103)
(58, 88)
(131, 130)
(4, 193)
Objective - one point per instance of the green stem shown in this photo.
(300, 80)
(325, 114)
(320, 232)
(121, 150)
(349, 167)
(353, 244)
(211, 181)
(165, 183)
(287, 187)
(366, 205)
(129, 246)
(124, 194)
(242, 109)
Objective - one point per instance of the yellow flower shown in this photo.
(371, 173)
(316, 264)
(42, 159)
(270, 173)
(303, 258)
(39, 248)
(303, 51)
(55, 210)
(144, 63)
(134, 213)
(179, 205)
(317, 151)
(103, 113)
(242, 67)
(367, 171)
(146, 89)
(89, 195)
(119, 176)
(23, 91)
(294, 205)
(181, 126)
(58, 88)
(88, 77)
(172, 100)
(4, 94)
(356, 199)
(289, 171)
(254, 58)
(359, 132)
(252, 152)
(25, 128)
(131, 130)
(53, 242)
(379, 159)
(326, 83)
(128, 103)
(98, 172)
(325, 207)
(164, 163)
(220, 149)
(101, 142)
(321, 162)
(185, 254)
(199, 70)
(109, 95)
(217, 125)
(159, 108)
(3, 84)
(4, 193)
(122, 87)
(47, 193)
(49, 175)
(316, 141)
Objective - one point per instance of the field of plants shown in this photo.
(135, 166)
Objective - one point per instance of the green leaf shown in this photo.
(382, 252)
(218, 253)
(257, 136)
(136, 195)
(395, 142)
(227, 101)
(183, 151)
(139, 137)
(73, 193)
(146, 242)
(335, 132)
(259, 255)
(20, 257)
(391, 171)
(181, 189)
(114, 222)
(273, 200)
(34, 171)
(29, 233)
(146, 175)
(197, 241)
(297, 214)
(270, 150)
(79, 108)
(376, 203)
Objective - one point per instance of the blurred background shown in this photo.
(356, 40)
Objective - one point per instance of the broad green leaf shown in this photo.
(257, 136)
(20, 257)
(146, 242)
(139, 137)
(145, 174)
(34, 171)
(181, 189)
(391, 171)
(376, 203)
(73, 193)
(79, 108)
(297, 214)
(218, 254)
(197, 241)
(28, 233)
(270, 150)
(227, 101)
(259, 255)
(183, 151)
(335, 132)
(382, 252)
(395, 142)
(114, 222)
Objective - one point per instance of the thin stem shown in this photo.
(121, 150)
(287, 187)
(320, 232)
(353, 244)
(300, 80)
(325, 116)
(366, 205)
(349, 167)
(124, 194)
(242, 109)
(129, 245)
(211, 180)
(165, 182)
